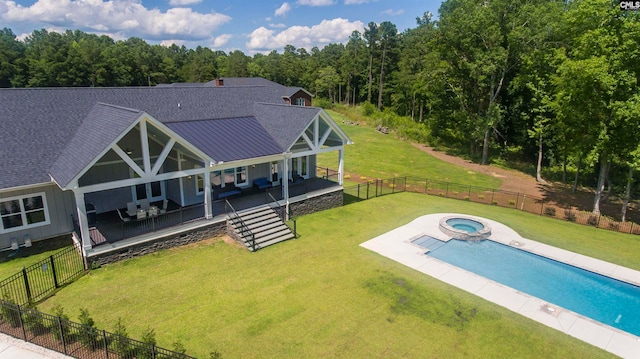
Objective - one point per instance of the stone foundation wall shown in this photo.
(171, 241)
(316, 204)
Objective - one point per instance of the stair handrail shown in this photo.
(243, 226)
(281, 214)
(278, 206)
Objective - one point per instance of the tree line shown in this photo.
(554, 83)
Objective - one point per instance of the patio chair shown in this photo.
(144, 203)
(124, 219)
(152, 211)
(132, 209)
(165, 204)
(141, 214)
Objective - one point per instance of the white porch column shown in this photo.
(208, 210)
(82, 221)
(285, 185)
(340, 167)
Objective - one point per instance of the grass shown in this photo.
(323, 295)
(376, 155)
(28, 256)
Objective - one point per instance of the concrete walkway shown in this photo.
(12, 348)
(397, 245)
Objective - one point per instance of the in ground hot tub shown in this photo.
(464, 228)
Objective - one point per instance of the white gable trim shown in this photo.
(147, 173)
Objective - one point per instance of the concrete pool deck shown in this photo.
(396, 245)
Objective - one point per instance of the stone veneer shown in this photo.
(170, 241)
(317, 203)
(299, 208)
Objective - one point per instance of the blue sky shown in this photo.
(251, 25)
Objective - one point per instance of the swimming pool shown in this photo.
(601, 298)
(400, 245)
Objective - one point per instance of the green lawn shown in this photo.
(376, 155)
(324, 296)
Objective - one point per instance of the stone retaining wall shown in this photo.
(157, 244)
(316, 204)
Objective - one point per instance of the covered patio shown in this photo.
(111, 227)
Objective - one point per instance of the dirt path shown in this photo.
(512, 180)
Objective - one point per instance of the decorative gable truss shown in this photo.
(147, 151)
(322, 135)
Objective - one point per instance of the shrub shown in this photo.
(466, 198)
(592, 220)
(10, 312)
(33, 321)
(441, 194)
(495, 203)
(322, 102)
(480, 196)
(347, 176)
(512, 202)
(570, 215)
(58, 311)
(149, 339)
(89, 333)
(550, 211)
(178, 347)
(120, 339)
(367, 109)
(455, 193)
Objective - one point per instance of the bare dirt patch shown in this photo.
(552, 193)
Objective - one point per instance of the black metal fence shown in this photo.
(37, 281)
(75, 339)
(515, 200)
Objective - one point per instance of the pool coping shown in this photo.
(396, 244)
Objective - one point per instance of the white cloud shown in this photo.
(277, 26)
(315, 2)
(355, 2)
(392, 12)
(183, 2)
(117, 16)
(336, 30)
(283, 10)
(167, 43)
(221, 40)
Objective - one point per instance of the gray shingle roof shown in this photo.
(103, 125)
(39, 125)
(285, 123)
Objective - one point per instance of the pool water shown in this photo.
(466, 225)
(598, 297)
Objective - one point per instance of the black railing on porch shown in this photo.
(245, 232)
(132, 227)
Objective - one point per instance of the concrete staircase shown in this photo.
(264, 223)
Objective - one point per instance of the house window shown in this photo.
(235, 176)
(23, 212)
(300, 167)
(274, 172)
(199, 184)
(216, 178)
(300, 101)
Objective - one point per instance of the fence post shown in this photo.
(153, 351)
(393, 190)
(53, 270)
(405, 183)
(24, 332)
(368, 189)
(469, 193)
(631, 229)
(64, 343)
(26, 283)
(106, 344)
(426, 186)
(493, 193)
(598, 223)
(446, 194)
(358, 192)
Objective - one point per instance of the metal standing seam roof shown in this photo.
(229, 139)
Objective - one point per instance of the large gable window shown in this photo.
(23, 212)
(300, 101)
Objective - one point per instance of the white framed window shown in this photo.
(300, 167)
(24, 212)
(234, 176)
(199, 182)
(300, 101)
(275, 175)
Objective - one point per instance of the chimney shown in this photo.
(219, 82)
